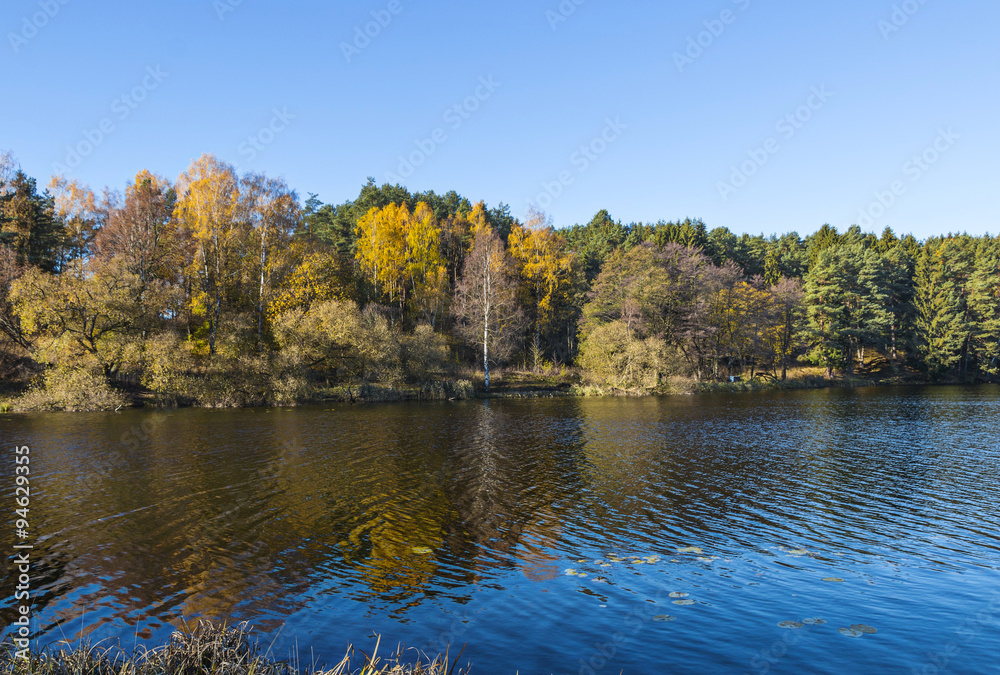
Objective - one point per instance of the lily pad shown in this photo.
(422, 550)
(864, 628)
(664, 617)
(835, 580)
(850, 632)
(790, 624)
(677, 594)
(684, 602)
(690, 549)
(814, 622)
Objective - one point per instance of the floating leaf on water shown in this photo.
(684, 602)
(614, 558)
(864, 628)
(605, 565)
(850, 632)
(571, 572)
(712, 558)
(652, 559)
(690, 549)
(663, 617)
(790, 624)
(600, 580)
(677, 594)
(422, 550)
(580, 562)
(675, 561)
(798, 551)
(836, 580)
(813, 622)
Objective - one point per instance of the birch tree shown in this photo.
(486, 307)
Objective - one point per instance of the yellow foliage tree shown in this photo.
(545, 269)
(207, 209)
(77, 208)
(425, 265)
(313, 279)
(381, 249)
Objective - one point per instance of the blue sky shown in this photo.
(705, 134)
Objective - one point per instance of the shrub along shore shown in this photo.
(210, 649)
(506, 385)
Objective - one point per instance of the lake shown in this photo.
(565, 535)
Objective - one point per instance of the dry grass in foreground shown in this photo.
(209, 649)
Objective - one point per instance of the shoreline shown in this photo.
(533, 388)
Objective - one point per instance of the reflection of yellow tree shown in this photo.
(400, 543)
(390, 515)
(620, 469)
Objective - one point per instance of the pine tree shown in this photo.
(942, 329)
(28, 224)
(984, 303)
(827, 298)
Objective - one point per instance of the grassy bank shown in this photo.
(798, 378)
(211, 650)
(505, 384)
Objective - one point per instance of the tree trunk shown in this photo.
(260, 306)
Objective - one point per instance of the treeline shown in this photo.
(224, 289)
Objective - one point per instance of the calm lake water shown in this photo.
(546, 534)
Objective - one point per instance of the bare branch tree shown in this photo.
(486, 303)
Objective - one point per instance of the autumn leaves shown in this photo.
(404, 256)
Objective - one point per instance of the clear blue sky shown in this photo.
(222, 75)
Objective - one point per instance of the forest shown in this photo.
(221, 289)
